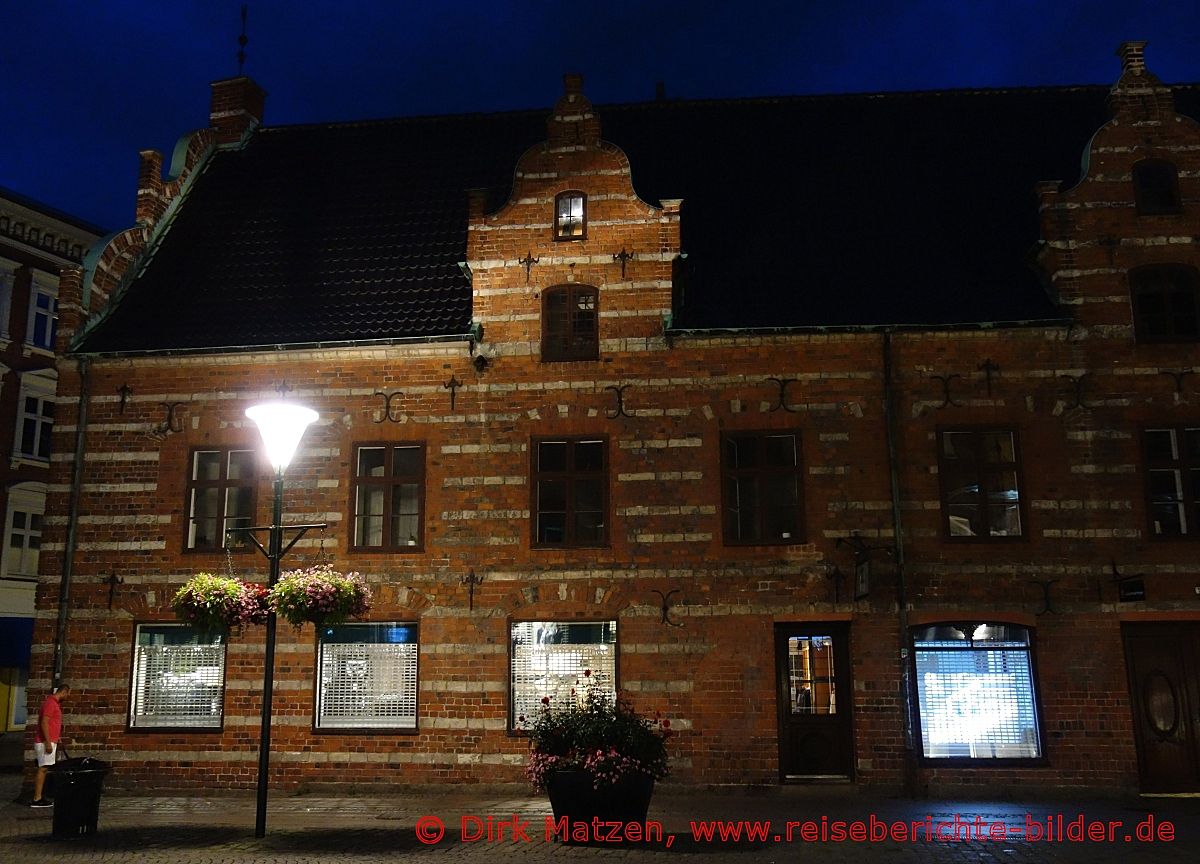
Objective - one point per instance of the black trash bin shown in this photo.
(77, 787)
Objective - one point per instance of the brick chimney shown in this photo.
(573, 123)
(1138, 96)
(237, 107)
(1133, 57)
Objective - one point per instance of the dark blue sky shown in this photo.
(89, 84)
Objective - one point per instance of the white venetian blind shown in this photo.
(368, 677)
(177, 680)
(549, 660)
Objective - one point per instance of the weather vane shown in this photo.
(242, 40)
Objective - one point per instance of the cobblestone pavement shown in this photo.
(215, 830)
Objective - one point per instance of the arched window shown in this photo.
(570, 323)
(1156, 187)
(1165, 307)
(976, 691)
(570, 216)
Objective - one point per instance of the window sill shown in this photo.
(22, 460)
(385, 550)
(37, 351)
(366, 730)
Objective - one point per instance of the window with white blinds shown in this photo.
(178, 678)
(549, 659)
(975, 692)
(367, 676)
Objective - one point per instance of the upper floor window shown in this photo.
(975, 692)
(43, 317)
(1156, 187)
(1165, 303)
(367, 676)
(762, 488)
(1173, 480)
(23, 541)
(981, 496)
(220, 497)
(556, 660)
(570, 216)
(37, 417)
(570, 492)
(570, 323)
(389, 494)
(178, 678)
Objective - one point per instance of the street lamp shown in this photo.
(281, 425)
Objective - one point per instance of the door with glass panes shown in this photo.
(812, 665)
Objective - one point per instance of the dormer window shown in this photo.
(570, 323)
(1156, 187)
(570, 216)
(1165, 307)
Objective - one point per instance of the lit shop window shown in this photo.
(549, 659)
(178, 678)
(975, 690)
(367, 676)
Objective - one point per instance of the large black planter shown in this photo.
(573, 796)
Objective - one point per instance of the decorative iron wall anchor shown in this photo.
(782, 384)
(1047, 606)
(988, 368)
(126, 391)
(283, 389)
(619, 411)
(623, 257)
(471, 580)
(171, 423)
(666, 607)
(387, 405)
(1178, 375)
(528, 261)
(452, 385)
(113, 581)
(1077, 381)
(947, 399)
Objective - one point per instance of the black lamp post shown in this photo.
(281, 425)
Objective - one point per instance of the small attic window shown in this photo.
(570, 216)
(1156, 187)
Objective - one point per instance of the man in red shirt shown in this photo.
(46, 740)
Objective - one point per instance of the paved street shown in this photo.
(214, 830)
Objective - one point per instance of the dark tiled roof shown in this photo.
(806, 211)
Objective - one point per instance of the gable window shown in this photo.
(389, 494)
(570, 216)
(570, 323)
(220, 497)
(1156, 187)
(1165, 303)
(762, 488)
(981, 496)
(549, 659)
(43, 317)
(37, 417)
(178, 678)
(1173, 480)
(570, 492)
(975, 692)
(367, 676)
(23, 540)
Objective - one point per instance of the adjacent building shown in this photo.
(857, 435)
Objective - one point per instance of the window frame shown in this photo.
(800, 531)
(1190, 492)
(513, 722)
(132, 727)
(570, 476)
(387, 482)
(1188, 276)
(1174, 206)
(571, 238)
(577, 348)
(318, 698)
(37, 289)
(43, 388)
(1039, 725)
(1014, 466)
(23, 498)
(222, 485)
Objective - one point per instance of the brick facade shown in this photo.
(1077, 395)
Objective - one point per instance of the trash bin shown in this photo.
(77, 787)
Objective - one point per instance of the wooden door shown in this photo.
(1163, 661)
(812, 664)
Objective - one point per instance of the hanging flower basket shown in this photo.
(219, 603)
(320, 594)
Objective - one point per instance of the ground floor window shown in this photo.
(367, 676)
(976, 692)
(178, 678)
(549, 659)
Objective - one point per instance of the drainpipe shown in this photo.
(890, 421)
(64, 588)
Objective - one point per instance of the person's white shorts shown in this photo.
(45, 758)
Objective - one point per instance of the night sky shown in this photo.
(88, 84)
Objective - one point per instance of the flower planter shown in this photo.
(573, 795)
